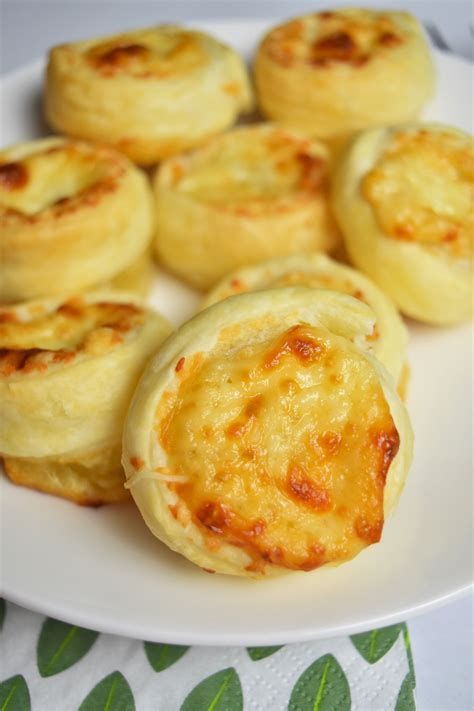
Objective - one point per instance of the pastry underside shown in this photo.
(89, 478)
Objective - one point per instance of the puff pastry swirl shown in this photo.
(67, 373)
(151, 93)
(264, 438)
(389, 339)
(403, 197)
(333, 73)
(251, 194)
(72, 215)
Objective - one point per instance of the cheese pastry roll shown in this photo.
(151, 93)
(251, 194)
(333, 73)
(72, 215)
(264, 438)
(389, 338)
(67, 373)
(404, 199)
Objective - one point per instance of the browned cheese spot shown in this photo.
(137, 463)
(120, 57)
(338, 47)
(180, 364)
(247, 417)
(13, 176)
(313, 172)
(388, 444)
(390, 39)
(368, 531)
(305, 491)
(294, 342)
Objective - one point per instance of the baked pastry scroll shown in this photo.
(264, 438)
(251, 194)
(333, 73)
(67, 373)
(151, 93)
(403, 197)
(389, 339)
(72, 215)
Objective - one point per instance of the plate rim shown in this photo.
(70, 616)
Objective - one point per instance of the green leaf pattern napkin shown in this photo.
(49, 665)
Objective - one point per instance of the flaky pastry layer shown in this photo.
(68, 370)
(151, 93)
(88, 479)
(336, 72)
(403, 198)
(72, 215)
(251, 194)
(387, 342)
(265, 438)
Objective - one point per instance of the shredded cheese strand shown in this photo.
(156, 476)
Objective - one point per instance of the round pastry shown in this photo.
(403, 197)
(67, 373)
(251, 194)
(72, 215)
(389, 339)
(150, 93)
(333, 73)
(264, 438)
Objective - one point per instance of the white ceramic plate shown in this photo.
(102, 569)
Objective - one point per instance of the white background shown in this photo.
(442, 640)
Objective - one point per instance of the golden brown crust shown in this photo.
(398, 204)
(151, 93)
(82, 211)
(250, 194)
(264, 438)
(333, 73)
(107, 325)
(250, 499)
(389, 338)
(339, 37)
(67, 373)
(403, 197)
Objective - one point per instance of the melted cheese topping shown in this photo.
(422, 190)
(49, 176)
(349, 36)
(252, 164)
(158, 52)
(74, 329)
(286, 446)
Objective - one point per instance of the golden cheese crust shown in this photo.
(151, 93)
(403, 198)
(67, 372)
(333, 73)
(264, 438)
(389, 339)
(81, 211)
(250, 194)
